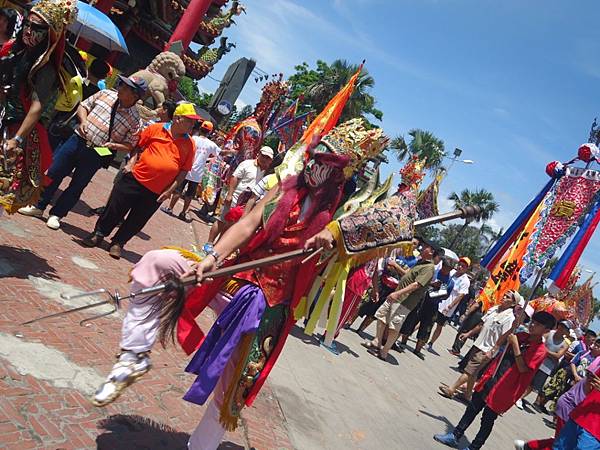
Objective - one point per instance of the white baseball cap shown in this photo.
(267, 151)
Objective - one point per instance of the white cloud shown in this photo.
(501, 112)
(532, 149)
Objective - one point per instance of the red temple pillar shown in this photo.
(188, 24)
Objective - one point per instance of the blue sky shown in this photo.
(515, 84)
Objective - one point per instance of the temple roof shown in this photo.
(168, 13)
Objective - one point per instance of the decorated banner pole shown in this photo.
(536, 284)
(173, 285)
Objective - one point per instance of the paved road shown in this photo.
(356, 401)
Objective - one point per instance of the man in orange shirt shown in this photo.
(164, 156)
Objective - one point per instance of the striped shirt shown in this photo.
(267, 183)
(127, 123)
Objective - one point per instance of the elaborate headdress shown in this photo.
(412, 173)
(353, 140)
(272, 92)
(57, 13)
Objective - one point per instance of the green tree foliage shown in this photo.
(479, 197)
(189, 90)
(595, 309)
(320, 84)
(424, 144)
(472, 244)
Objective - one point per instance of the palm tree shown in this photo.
(423, 144)
(479, 197)
(486, 232)
(399, 148)
(427, 147)
(337, 75)
(494, 238)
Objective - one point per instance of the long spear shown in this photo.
(115, 299)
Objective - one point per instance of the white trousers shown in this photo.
(141, 323)
(209, 432)
(140, 328)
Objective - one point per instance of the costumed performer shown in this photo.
(245, 139)
(31, 75)
(255, 306)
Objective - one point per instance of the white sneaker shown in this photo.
(31, 211)
(519, 444)
(127, 370)
(53, 222)
(519, 404)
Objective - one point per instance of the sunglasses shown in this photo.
(34, 26)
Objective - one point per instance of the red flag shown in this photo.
(330, 115)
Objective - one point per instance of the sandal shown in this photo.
(381, 357)
(445, 392)
(368, 345)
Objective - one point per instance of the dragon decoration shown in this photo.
(575, 302)
(203, 62)
(214, 26)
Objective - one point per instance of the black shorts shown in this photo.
(441, 319)
(422, 315)
(192, 188)
(538, 382)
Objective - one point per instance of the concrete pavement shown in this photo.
(356, 401)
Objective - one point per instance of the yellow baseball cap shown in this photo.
(187, 110)
(466, 260)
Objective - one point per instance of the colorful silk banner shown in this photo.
(289, 131)
(492, 258)
(505, 276)
(427, 204)
(563, 208)
(569, 259)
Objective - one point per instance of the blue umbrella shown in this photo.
(95, 26)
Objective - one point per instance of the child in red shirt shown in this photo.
(504, 382)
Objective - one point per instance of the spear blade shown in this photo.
(70, 311)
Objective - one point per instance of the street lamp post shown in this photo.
(455, 157)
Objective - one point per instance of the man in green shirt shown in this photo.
(411, 288)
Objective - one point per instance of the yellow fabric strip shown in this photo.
(303, 307)
(338, 298)
(324, 298)
(185, 253)
(229, 413)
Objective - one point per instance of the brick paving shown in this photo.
(35, 414)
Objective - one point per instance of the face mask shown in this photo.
(37, 32)
(316, 174)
